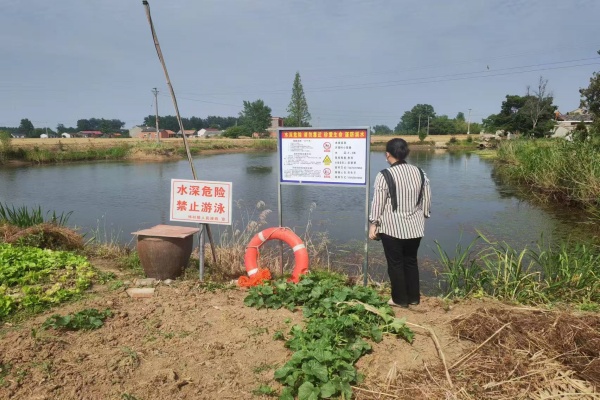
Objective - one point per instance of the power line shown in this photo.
(430, 79)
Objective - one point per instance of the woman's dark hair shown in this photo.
(398, 148)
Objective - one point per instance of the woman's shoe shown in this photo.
(391, 303)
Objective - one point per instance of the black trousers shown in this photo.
(403, 269)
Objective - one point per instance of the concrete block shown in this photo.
(145, 282)
(140, 293)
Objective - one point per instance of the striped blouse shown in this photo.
(408, 221)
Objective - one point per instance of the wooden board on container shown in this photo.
(167, 231)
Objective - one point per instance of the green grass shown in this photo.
(559, 170)
(24, 216)
(568, 273)
(45, 156)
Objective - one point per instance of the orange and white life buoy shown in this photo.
(286, 235)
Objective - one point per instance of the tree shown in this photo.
(590, 99)
(61, 128)
(460, 116)
(26, 128)
(441, 125)
(539, 109)
(220, 122)
(237, 131)
(531, 114)
(580, 133)
(5, 140)
(382, 130)
(170, 122)
(100, 124)
(416, 118)
(298, 114)
(256, 116)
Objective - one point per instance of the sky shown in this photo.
(362, 62)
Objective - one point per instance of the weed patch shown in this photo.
(33, 279)
(338, 320)
(86, 320)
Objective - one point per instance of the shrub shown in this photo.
(237, 131)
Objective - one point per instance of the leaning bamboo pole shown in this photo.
(179, 121)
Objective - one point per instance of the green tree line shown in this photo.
(170, 122)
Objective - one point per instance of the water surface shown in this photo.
(117, 198)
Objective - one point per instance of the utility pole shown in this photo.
(428, 118)
(419, 130)
(155, 91)
(469, 123)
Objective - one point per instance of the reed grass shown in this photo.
(198, 146)
(233, 240)
(547, 274)
(563, 171)
(44, 156)
(25, 217)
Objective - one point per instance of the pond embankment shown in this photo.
(54, 150)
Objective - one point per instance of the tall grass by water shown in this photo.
(559, 170)
(546, 274)
(38, 155)
(25, 217)
(198, 146)
(233, 241)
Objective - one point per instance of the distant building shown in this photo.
(209, 132)
(18, 135)
(142, 132)
(163, 134)
(276, 123)
(90, 134)
(566, 123)
(188, 132)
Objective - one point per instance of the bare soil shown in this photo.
(188, 342)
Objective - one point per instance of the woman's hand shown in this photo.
(372, 231)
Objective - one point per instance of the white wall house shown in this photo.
(208, 132)
(566, 123)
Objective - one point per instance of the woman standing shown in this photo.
(401, 202)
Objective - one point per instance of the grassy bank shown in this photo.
(558, 170)
(567, 273)
(47, 151)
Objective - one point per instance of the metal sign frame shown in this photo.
(365, 168)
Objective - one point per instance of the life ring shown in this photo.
(285, 235)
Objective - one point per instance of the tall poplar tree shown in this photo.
(298, 114)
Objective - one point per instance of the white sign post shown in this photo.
(203, 202)
(332, 157)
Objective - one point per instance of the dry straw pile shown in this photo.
(45, 235)
(525, 354)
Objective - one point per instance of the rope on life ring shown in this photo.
(286, 235)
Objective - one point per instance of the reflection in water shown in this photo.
(123, 197)
(259, 169)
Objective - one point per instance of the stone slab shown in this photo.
(140, 293)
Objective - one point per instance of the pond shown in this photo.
(113, 199)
